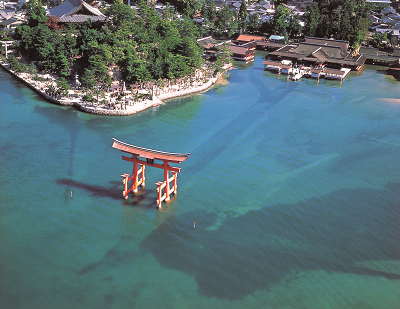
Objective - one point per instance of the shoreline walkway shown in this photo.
(124, 110)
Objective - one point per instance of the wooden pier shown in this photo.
(138, 178)
(297, 72)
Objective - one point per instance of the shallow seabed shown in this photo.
(294, 188)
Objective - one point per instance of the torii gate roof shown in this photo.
(150, 153)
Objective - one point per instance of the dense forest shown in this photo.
(142, 44)
(340, 19)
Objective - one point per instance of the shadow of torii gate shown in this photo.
(138, 178)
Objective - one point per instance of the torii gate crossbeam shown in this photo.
(138, 176)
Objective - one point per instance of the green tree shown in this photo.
(177, 66)
(96, 79)
(311, 18)
(35, 12)
(344, 13)
(361, 23)
(209, 14)
(254, 23)
(120, 13)
(15, 65)
(26, 35)
(380, 39)
(135, 69)
(281, 21)
(223, 57)
(168, 12)
(71, 48)
(243, 16)
(191, 7)
(192, 51)
(342, 19)
(226, 23)
(295, 29)
(62, 87)
(32, 69)
(187, 28)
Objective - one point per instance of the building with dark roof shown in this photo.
(375, 56)
(207, 42)
(242, 53)
(10, 23)
(209, 47)
(316, 52)
(76, 11)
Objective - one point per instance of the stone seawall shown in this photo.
(43, 94)
(130, 109)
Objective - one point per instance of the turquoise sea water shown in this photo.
(294, 188)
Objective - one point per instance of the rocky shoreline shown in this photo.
(120, 110)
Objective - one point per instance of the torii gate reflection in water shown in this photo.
(138, 178)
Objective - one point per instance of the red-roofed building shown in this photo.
(246, 38)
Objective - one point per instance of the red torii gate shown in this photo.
(150, 155)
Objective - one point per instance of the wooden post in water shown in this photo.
(166, 180)
(135, 174)
(175, 183)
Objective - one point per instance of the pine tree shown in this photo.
(243, 15)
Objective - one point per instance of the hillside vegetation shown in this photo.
(145, 46)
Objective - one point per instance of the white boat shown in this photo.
(297, 76)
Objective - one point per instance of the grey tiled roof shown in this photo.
(81, 18)
(64, 8)
(344, 45)
(8, 22)
(73, 7)
(206, 42)
(240, 50)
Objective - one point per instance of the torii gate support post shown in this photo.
(136, 173)
(166, 180)
(138, 178)
(165, 185)
(175, 183)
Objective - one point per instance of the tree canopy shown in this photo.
(340, 19)
(141, 43)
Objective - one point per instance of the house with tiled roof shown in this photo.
(242, 53)
(6, 14)
(246, 38)
(257, 42)
(10, 23)
(209, 47)
(76, 11)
